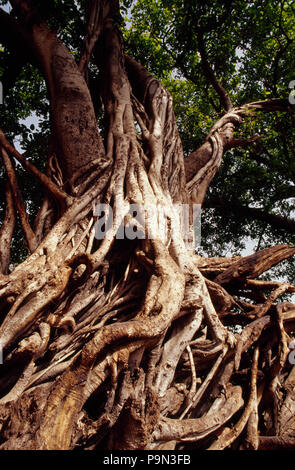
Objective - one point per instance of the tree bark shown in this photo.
(120, 342)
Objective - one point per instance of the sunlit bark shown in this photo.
(132, 343)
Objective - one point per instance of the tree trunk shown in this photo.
(130, 340)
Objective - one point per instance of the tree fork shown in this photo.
(122, 344)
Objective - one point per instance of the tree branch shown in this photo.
(225, 126)
(7, 230)
(277, 221)
(96, 12)
(58, 193)
(208, 71)
(74, 126)
(24, 219)
(253, 265)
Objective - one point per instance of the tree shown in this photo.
(128, 342)
(249, 48)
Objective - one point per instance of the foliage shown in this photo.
(102, 335)
(250, 47)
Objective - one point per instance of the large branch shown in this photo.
(6, 231)
(203, 158)
(277, 221)
(74, 127)
(202, 165)
(96, 13)
(252, 266)
(53, 189)
(154, 112)
(24, 218)
(209, 73)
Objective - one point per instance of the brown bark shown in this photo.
(200, 166)
(24, 219)
(121, 343)
(74, 128)
(6, 231)
(253, 265)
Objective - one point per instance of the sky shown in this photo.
(33, 119)
(250, 245)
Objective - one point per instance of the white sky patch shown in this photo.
(32, 119)
(6, 8)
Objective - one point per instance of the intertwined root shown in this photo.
(152, 336)
(133, 344)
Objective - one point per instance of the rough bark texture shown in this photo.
(133, 343)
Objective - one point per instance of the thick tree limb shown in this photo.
(24, 218)
(7, 229)
(73, 119)
(156, 116)
(253, 265)
(209, 73)
(47, 183)
(228, 436)
(240, 210)
(96, 12)
(225, 126)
